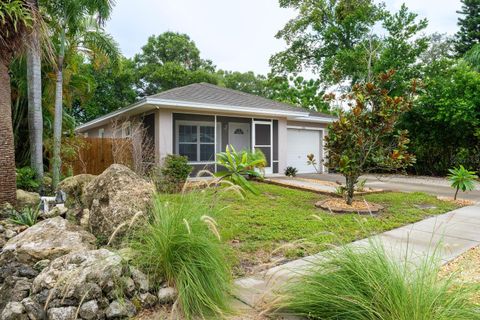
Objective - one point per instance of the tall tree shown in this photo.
(328, 38)
(69, 17)
(469, 23)
(16, 20)
(35, 118)
(171, 60)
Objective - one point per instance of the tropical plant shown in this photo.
(180, 243)
(170, 177)
(312, 161)
(237, 167)
(367, 284)
(73, 22)
(16, 20)
(291, 171)
(469, 33)
(462, 179)
(364, 138)
(26, 217)
(26, 179)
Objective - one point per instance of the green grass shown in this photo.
(258, 225)
(180, 244)
(366, 284)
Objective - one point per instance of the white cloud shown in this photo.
(236, 35)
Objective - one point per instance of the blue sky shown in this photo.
(237, 34)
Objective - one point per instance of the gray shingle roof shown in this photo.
(207, 93)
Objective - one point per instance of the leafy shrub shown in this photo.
(237, 167)
(367, 284)
(360, 185)
(26, 179)
(26, 217)
(462, 179)
(171, 176)
(291, 171)
(180, 243)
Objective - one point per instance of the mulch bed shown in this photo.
(338, 205)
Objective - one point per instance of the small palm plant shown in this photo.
(238, 166)
(27, 217)
(462, 179)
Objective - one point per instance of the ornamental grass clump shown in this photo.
(180, 244)
(367, 284)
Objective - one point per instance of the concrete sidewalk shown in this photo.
(451, 234)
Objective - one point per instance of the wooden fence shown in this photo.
(97, 154)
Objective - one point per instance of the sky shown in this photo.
(237, 35)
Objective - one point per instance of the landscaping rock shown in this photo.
(27, 199)
(9, 234)
(90, 310)
(74, 188)
(167, 295)
(79, 275)
(34, 310)
(140, 279)
(114, 198)
(42, 264)
(63, 313)
(14, 311)
(118, 309)
(147, 300)
(57, 211)
(47, 239)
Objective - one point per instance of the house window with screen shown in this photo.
(196, 140)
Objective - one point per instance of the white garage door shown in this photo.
(300, 143)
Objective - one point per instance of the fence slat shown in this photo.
(97, 154)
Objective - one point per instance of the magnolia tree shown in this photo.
(364, 138)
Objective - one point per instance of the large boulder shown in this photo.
(47, 239)
(27, 199)
(114, 198)
(74, 187)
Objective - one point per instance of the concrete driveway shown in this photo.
(431, 185)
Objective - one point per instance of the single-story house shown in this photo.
(201, 119)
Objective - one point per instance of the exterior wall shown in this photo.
(282, 145)
(165, 132)
(307, 124)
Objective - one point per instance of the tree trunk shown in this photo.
(57, 125)
(57, 122)
(350, 182)
(7, 150)
(456, 193)
(35, 117)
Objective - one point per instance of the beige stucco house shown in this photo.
(200, 120)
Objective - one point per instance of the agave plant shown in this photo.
(238, 166)
(462, 179)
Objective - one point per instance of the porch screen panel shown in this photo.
(267, 153)
(262, 134)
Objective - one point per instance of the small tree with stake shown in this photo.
(364, 138)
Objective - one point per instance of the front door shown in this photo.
(239, 135)
(262, 140)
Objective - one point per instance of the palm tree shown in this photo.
(16, 20)
(35, 119)
(68, 15)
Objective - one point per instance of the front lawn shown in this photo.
(283, 223)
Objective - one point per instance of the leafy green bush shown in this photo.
(26, 217)
(366, 284)
(171, 176)
(180, 243)
(26, 179)
(462, 179)
(291, 171)
(237, 167)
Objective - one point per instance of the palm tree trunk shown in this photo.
(7, 150)
(57, 122)
(35, 118)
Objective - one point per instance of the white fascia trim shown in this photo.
(228, 108)
(110, 115)
(314, 119)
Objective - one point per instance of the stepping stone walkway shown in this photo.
(449, 235)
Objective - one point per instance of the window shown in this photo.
(196, 140)
(85, 134)
(101, 133)
(126, 130)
